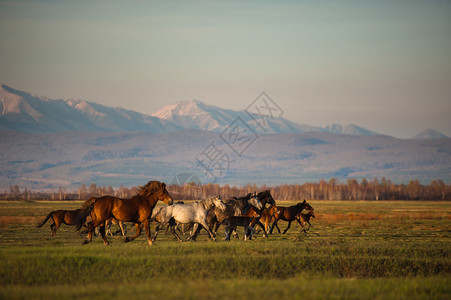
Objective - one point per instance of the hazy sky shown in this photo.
(383, 65)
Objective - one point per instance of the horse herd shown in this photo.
(247, 212)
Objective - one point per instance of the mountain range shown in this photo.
(48, 144)
(22, 111)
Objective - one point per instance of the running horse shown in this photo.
(137, 209)
(69, 217)
(288, 214)
(189, 213)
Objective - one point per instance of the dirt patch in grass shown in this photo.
(5, 221)
(332, 218)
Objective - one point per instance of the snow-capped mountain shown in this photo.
(193, 114)
(430, 134)
(350, 129)
(21, 111)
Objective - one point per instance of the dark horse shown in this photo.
(288, 214)
(68, 217)
(138, 209)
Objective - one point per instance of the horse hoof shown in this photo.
(85, 242)
(127, 239)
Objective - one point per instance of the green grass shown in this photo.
(355, 250)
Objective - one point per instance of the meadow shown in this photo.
(354, 250)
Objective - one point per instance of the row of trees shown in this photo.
(352, 189)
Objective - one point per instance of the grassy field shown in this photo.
(355, 250)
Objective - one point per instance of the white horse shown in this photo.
(188, 213)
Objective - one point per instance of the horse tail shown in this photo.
(46, 219)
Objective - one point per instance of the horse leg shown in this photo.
(123, 227)
(302, 224)
(289, 224)
(216, 226)
(102, 233)
(272, 227)
(248, 232)
(252, 232)
(52, 229)
(173, 230)
(228, 231)
(148, 232)
(265, 234)
(138, 233)
(108, 227)
(212, 235)
(235, 234)
(194, 232)
(91, 227)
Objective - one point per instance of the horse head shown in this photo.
(265, 197)
(217, 201)
(254, 201)
(156, 189)
(304, 205)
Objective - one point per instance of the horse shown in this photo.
(267, 217)
(288, 214)
(188, 213)
(303, 218)
(248, 221)
(69, 217)
(265, 197)
(137, 209)
(234, 207)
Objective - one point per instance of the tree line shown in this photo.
(376, 189)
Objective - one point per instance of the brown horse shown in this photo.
(305, 219)
(267, 217)
(68, 217)
(138, 210)
(288, 214)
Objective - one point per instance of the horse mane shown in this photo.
(264, 193)
(151, 187)
(207, 202)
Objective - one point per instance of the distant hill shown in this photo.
(430, 134)
(108, 158)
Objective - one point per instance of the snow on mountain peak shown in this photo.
(182, 108)
(85, 108)
(430, 134)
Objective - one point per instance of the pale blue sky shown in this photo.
(383, 65)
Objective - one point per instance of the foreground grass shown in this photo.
(355, 250)
(302, 287)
